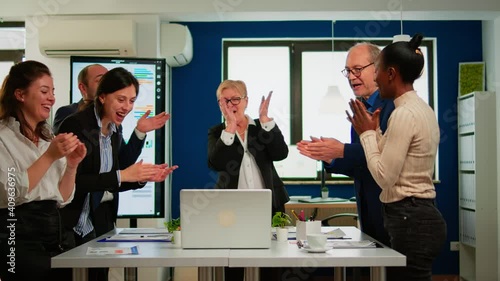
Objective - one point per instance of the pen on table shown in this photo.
(314, 214)
(302, 216)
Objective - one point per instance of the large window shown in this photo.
(12, 45)
(310, 94)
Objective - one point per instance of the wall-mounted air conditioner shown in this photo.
(63, 38)
(176, 44)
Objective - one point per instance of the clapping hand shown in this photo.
(324, 149)
(264, 108)
(143, 172)
(362, 120)
(75, 157)
(145, 124)
(62, 145)
(164, 171)
(228, 114)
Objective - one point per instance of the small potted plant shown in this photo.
(324, 192)
(174, 226)
(280, 221)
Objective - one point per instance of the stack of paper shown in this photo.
(336, 233)
(348, 244)
(144, 231)
(139, 237)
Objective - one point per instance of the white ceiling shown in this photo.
(259, 10)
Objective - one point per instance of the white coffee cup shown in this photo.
(316, 241)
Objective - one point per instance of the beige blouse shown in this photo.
(402, 160)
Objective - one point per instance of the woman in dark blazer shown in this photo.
(109, 167)
(240, 139)
(242, 150)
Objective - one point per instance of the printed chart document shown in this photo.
(100, 251)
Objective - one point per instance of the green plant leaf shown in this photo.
(173, 225)
(281, 220)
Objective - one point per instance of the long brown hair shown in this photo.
(20, 77)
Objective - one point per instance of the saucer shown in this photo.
(319, 250)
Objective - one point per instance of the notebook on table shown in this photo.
(226, 219)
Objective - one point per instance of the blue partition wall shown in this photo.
(195, 109)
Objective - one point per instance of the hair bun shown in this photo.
(415, 41)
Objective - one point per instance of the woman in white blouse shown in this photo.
(402, 160)
(37, 174)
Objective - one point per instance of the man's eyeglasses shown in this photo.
(234, 101)
(356, 71)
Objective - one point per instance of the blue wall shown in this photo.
(194, 106)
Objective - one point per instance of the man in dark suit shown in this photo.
(88, 80)
(349, 158)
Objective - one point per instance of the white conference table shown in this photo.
(281, 254)
(151, 254)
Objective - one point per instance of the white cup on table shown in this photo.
(316, 241)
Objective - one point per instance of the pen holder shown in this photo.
(303, 228)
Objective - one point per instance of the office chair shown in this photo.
(326, 221)
(356, 271)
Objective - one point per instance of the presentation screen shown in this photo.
(147, 202)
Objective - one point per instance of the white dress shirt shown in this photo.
(250, 177)
(17, 154)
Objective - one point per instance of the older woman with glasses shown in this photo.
(242, 149)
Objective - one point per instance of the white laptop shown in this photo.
(225, 218)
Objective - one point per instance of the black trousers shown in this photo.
(30, 236)
(418, 231)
